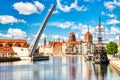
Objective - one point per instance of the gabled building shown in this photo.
(6, 46)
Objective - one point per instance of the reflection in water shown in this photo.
(72, 68)
(56, 68)
(100, 71)
(36, 73)
(6, 70)
(88, 70)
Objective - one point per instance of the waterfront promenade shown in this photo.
(115, 63)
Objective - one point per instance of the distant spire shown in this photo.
(88, 29)
(44, 41)
(99, 21)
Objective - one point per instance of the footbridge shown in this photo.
(34, 43)
(25, 53)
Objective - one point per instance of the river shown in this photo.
(56, 68)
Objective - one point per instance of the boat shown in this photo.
(100, 55)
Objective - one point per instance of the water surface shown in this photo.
(57, 68)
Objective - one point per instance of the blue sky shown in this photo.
(21, 19)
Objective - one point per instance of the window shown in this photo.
(1, 45)
(22, 49)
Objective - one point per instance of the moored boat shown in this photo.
(100, 55)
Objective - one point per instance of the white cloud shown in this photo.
(39, 5)
(113, 21)
(107, 31)
(66, 8)
(115, 30)
(111, 5)
(114, 38)
(28, 8)
(43, 36)
(77, 35)
(82, 37)
(56, 37)
(55, 12)
(117, 38)
(83, 28)
(103, 13)
(116, 2)
(25, 8)
(86, 0)
(61, 24)
(111, 15)
(5, 35)
(29, 39)
(14, 34)
(17, 33)
(6, 19)
(110, 39)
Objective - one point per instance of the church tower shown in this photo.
(72, 36)
(44, 44)
(88, 37)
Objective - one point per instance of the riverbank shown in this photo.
(9, 59)
(115, 64)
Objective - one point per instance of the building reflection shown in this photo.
(57, 68)
(50, 70)
(72, 68)
(36, 73)
(6, 70)
(100, 71)
(88, 70)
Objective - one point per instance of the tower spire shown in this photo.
(44, 44)
(88, 29)
(99, 22)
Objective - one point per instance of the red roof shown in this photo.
(88, 34)
(72, 33)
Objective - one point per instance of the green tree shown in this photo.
(112, 48)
